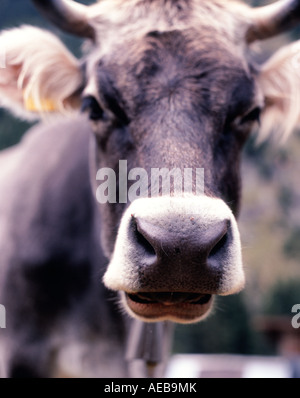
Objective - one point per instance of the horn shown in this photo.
(67, 15)
(273, 19)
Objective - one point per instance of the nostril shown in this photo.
(141, 239)
(221, 241)
(219, 246)
(143, 242)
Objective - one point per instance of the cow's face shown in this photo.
(169, 88)
(174, 100)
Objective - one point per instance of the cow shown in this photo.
(163, 85)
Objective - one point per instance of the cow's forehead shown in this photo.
(122, 26)
(117, 19)
(125, 30)
(180, 53)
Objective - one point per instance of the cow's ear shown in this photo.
(279, 80)
(38, 75)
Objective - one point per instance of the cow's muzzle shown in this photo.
(172, 255)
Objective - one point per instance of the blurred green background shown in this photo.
(269, 223)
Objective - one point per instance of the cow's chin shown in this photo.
(174, 307)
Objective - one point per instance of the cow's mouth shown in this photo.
(173, 306)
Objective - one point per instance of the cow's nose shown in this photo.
(175, 245)
(181, 244)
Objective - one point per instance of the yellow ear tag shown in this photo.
(46, 105)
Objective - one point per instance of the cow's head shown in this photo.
(167, 84)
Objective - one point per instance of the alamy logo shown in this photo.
(138, 183)
(2, 317)
(2, 58)
(296, 318)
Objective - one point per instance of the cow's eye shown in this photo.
(91, 106)
(252, 116)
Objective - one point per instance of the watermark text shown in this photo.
(2, 57)
(296, 318)
(2, 317)
(138, 183)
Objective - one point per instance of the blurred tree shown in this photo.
(227, 330)
(17, 13)
(280, 299)
(11, 130)
(292, 247)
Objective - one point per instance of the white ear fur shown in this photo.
(279, 80)
(38, 74)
